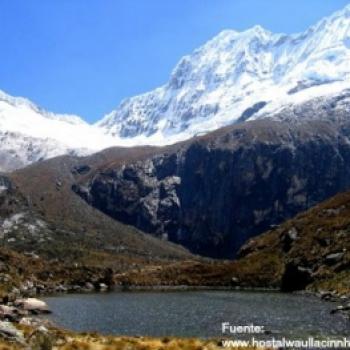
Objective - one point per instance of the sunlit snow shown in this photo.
(208, 89)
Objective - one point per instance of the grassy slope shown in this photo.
(318, 233)
(47, 186)
(81, 243)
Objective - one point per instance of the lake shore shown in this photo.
(179, 276)
(30, 330)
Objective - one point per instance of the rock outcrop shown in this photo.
(213, 193)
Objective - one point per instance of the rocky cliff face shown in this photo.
(215, 192)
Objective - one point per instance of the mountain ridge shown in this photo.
(205, 86)
(234, 77)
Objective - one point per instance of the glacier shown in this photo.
(216, 84)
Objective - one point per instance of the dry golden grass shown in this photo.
(95, 342)
(59, 339)
(127, 343)
(321, 231)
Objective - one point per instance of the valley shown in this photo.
(221, 196)
(56, 237)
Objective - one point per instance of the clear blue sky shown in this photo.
(85, 56)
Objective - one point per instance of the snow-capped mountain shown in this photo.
(18, 150)
(29, 134)
(237, 76)
(20, 115)
(234, 77)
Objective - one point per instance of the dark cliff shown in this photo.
(217, 191)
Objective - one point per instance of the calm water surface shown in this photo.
(198, 313)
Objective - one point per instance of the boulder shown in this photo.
(295, 277)
(289, 238)
(81, 169)
(10, 332)
(33, 305)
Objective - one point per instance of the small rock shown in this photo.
(8, 312)
(334, 258)
(89, 286)
(32, 255)
(293, 234)
(61, 288)
(26, 321)
(75, 288)
(337, 309)
(103, 287)
(234, 281)
(341, 308)
(42, 329)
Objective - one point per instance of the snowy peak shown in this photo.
(227, 54)
(341, 14)
(235, 72)
(20, 116)
(29, 134)
(21, 102)
(234, 77)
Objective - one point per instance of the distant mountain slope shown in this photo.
(210, 193)
(18, 150)
(237, 76)
(29, 134)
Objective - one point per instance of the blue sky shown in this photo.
(85, 56)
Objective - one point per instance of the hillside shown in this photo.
(47, 187)
(310, 251)
(53, 241)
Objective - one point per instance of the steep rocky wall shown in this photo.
(213, 194)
